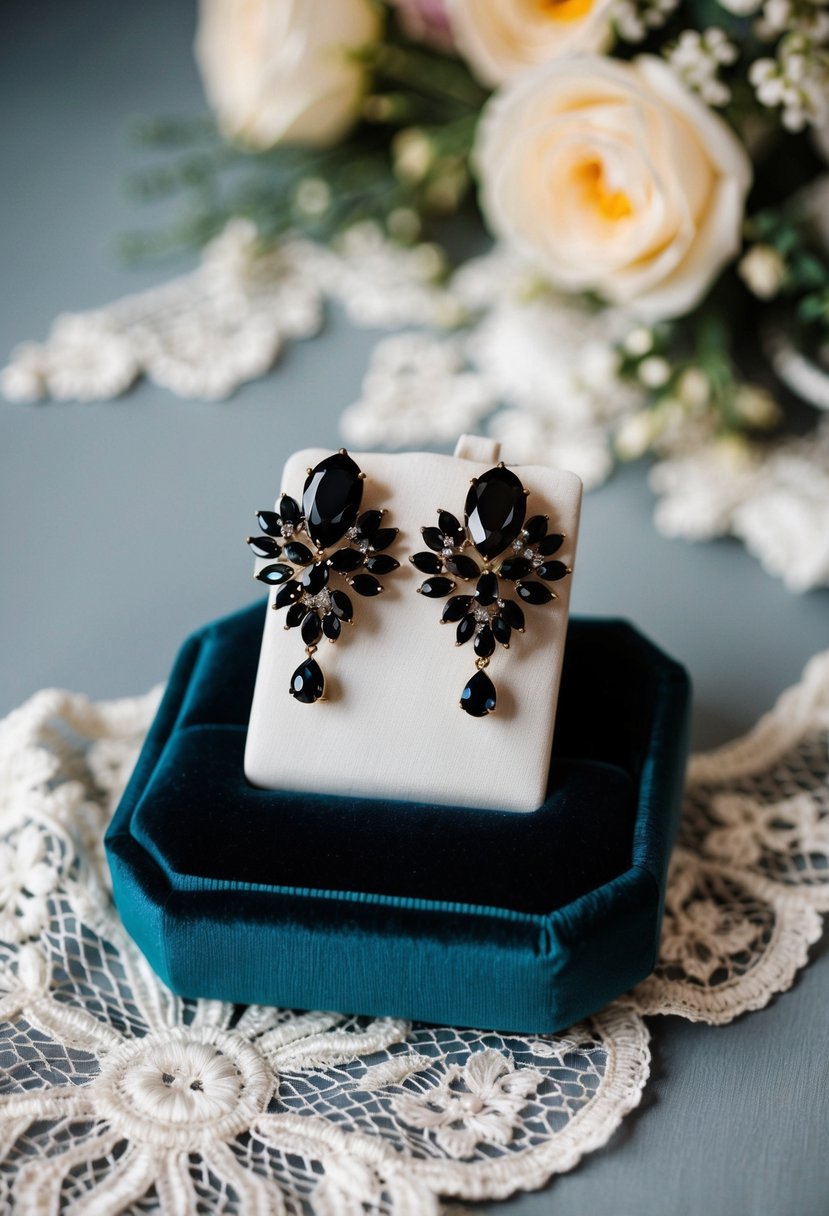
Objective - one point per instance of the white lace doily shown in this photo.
(118, 1096)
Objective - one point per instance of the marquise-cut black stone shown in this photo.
(436, 588)
(515, 567)
(274, 575)
(331, 626)
(382, 538)
(264, 546)
(465, 629)
(346, 560)
(535, 528)
(298, 553)
(331, 498)
(311, 629)
(552, 571)
(289, 510)
(307, 682)
(455, 608)
(513, 614)
(534, 593)
(427, 563)
(486, 592)
(368, 523)
(433, 537)
(478, 698)
(295, 615)
(484, 642)
(449, 525)
(501, 630)
(341, 605)
(315, 578)
(463, 566)
(381, 563)
(270, 522)
(289, 593)
(551, 544)
(494, 511)
(365, 584)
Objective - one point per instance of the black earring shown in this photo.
(302, 574)
(511, 550)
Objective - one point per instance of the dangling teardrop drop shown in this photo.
(478, 697)
(307, 682)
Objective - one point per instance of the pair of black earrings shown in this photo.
(511, 557)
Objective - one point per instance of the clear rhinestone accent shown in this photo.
(321, 601)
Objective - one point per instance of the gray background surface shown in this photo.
(121, 527)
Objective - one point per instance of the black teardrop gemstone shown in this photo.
(289, 509)
(295, 615)
(552, 571)
(450, 526)
(365, 584)
(368, 523)
(535, 528)
(427, 563)
(264, 546)
(478, 698)
(501, 630)
(515, 567)
(315, 578)
(341, 605)
(382, 538)
(513, 614)
(331, 498)
(289, 593)
(307, 682)
(298, 553)
(270, 522)
(311, 629)
(484, 642)
(331, 626)
(486, 592)
(274, 575)
(550, 544)
(534, 593)
(346, 560)
(465, 629)
(455, 608)
(436, 588)
(463, 566)
(381, 563)
(433, 537)
(495, 510)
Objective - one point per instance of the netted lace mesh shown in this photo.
(117, 1096)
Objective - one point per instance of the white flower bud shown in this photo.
(762, 270)
(654, 371)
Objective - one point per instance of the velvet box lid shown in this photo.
(455, 915)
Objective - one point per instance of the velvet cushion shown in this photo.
(470, 917)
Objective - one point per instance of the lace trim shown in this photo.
(549, 362)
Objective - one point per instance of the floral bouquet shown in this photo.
(654, 173)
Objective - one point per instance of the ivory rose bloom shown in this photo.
(614, 178)
(282, 71)
(500, 38)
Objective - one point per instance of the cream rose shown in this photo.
(500, 38)
(614, 178)
(282, 71)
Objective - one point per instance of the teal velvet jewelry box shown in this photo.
(522, 922)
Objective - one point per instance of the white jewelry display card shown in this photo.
(390, 724)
